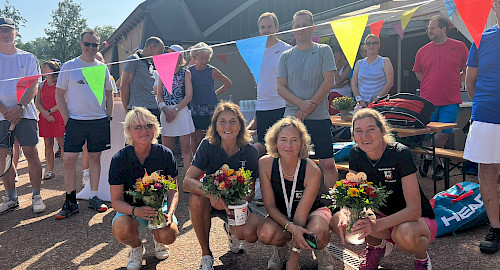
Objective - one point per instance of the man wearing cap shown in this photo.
(15, 63)
(137, 80)
(87, 114)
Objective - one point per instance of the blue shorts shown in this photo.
(143, 224)
(446, 114)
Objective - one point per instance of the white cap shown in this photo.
(177, 48)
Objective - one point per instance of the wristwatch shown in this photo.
(21, 105)
(176, 109)
(358, 98)
(110, 118)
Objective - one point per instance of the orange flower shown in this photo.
(222, 186)
(353, 192)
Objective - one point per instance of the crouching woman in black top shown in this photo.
(407, 220)
(290, 185)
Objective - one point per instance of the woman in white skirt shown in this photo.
(175, 116)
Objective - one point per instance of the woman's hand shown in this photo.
(364, 226)
(168, 219)
(362, 103)
(218, 204)
(145, 212)
(293, 263)
(342, 225)
(50, 118)
(170, 115)
(298, 237)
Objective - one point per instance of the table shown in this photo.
(432, 128)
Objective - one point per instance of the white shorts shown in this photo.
(482, 144)
(182, 124)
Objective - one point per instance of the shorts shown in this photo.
(265, 119)
(446, 114)
(182, 124)
(482, 144)
(321, 137)
(95, 132)
(143, 224)
(431, 224)
(26, 132)
(323, 212)
(201, 122)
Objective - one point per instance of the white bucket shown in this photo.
(239, 214)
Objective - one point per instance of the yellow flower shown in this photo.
(140, 187)
(353, 192)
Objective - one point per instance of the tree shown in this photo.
(10, 11)
(40, 47)
(105, 31)
(65, 29)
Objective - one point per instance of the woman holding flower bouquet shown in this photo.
(290, 185)
(142, 168)
(226, 143)
(407, 219)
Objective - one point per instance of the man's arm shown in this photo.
(471, 80)
(419, 76)
(109, 102)
(61, 104)
(304, 105)
(13, 114)
(125, 80)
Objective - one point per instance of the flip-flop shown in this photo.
(49, 175)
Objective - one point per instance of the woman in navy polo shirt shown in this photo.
(143, 153)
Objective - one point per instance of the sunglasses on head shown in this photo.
(372, 43)
(88, 44)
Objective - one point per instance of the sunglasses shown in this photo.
(141, 127)
(6, 30)
(88, 44)
(372, 43)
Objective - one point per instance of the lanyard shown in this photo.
(289, 201)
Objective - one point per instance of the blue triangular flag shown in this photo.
(450, 7)
(252, 51)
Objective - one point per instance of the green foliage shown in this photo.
(10, 11)
(152, 189)
(40, 47)
(343, 103)
(64, 32)
(105, 31)
(228, 184)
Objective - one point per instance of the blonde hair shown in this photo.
(138, 116)
(268, 14)
(273, 133)
(213, 137)
(201, 47)
(372, 36)
(379, 121)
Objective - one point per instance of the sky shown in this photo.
(97, 12)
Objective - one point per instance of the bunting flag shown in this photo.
(95, 77)
(450, 7)
(25, 83)
(222, 57)
(475, 14)
(406, 16)
(397, 27)
(106, 44)
(165, 65)
(376, 27)
(252, 51)
(324, 39)
(349, 32)
(316, 39)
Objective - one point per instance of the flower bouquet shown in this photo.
(152, 189)
(344, 105)
(356, 195)
(231, 186)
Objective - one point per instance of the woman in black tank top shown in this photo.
(290, 185)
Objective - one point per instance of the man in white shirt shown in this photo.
(15, 63)
(87, 120)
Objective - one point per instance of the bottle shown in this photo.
(230, 98)
(357, 108)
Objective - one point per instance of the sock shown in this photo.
(92, 194)
(381, 245)
(36, 191)
(71, 197)
(422, 260)
(12, 194)
(86, 172)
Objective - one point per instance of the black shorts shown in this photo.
(95, 132)
(26, 132)
(265, 119)
(201, 122)
(321, 137)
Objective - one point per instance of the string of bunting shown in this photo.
(348, 32)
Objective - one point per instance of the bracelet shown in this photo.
(133, 209)
(296, 250)
(162, 105)
(294, 228)
(286, 225)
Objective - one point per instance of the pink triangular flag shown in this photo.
(316, 39)
(25, 83)
(165, 65)
(475, 14)
(222, 57)
(399, 30)
(376, 27)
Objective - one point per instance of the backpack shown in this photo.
(459, 208)
(342, 150)
(404, 110)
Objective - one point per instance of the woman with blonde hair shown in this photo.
(143, 153)
(290, 183)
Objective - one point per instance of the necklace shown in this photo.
(378, 160)
(288, 176)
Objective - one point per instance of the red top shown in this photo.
(48, 100)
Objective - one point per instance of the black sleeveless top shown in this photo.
(299, 189)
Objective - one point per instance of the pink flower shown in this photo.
(158, 186)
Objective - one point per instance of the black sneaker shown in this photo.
(67, 210)
(97, 204)
(424, 167)
(490, 243)
(58, 153)
(439, 172)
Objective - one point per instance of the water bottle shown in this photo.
(230, 98)
(357, 108)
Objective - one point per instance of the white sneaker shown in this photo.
(8, 205)
(37, 203)
(135, 259)
(325, 260)
(161, 250)
(207, 263)
(16, 178)
(279, 258)
(235, 245)
(85, 179)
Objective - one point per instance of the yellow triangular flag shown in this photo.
(324, 39)
(349, 32)
(406, 16)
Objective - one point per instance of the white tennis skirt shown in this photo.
(482, 144)
(182, 124)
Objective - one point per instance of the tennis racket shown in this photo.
(6, 151)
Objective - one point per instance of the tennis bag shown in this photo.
(459, 208)
(405, 110)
